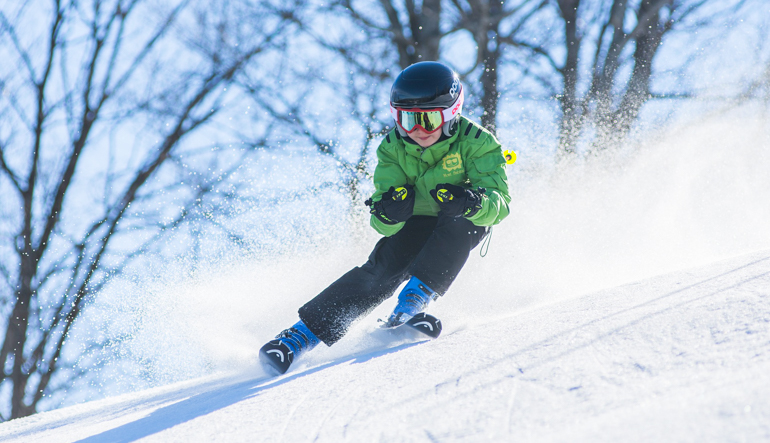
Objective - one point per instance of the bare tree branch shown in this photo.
(17, 45)
(11, 176)
(70, 276)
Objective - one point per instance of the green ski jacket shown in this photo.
(472, 157)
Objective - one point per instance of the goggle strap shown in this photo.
(456, 108)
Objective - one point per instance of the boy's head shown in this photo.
(426, 101)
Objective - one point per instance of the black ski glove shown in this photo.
(456, 201)
(396, 205)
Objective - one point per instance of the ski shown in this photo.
(276, 357)
(425, 324)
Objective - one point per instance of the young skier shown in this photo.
(440, 183)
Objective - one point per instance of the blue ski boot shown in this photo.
(277, 355)
(412, 300)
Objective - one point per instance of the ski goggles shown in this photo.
(430, 120)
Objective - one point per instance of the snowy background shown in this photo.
(627, 305)
(678, 357)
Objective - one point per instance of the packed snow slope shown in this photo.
(684, 356)
(625, 298)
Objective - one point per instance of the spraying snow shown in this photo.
(679, 357)
(696, 195)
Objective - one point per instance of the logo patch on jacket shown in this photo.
(452, 162)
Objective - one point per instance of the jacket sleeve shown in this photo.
(486, 169)
(387, 173)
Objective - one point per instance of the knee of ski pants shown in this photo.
(459, 227)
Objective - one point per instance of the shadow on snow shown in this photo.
(219, 398)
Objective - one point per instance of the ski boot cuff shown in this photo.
(298, 338)
(412, 300)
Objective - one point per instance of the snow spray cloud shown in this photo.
(699, 194)
(180, 318)
(181, 325)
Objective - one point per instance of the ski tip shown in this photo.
(426, 324)
(276, 357)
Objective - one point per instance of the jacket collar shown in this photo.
(433, 153)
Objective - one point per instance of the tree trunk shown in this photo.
(570, 124)
(421, 43)
(638, 92)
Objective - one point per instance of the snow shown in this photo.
(683, 356)
(623, 303)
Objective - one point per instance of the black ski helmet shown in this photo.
(428, 85)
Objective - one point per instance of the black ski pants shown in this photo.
(433, 249)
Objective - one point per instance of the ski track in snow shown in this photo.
(683, 357)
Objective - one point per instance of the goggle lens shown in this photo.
(430, 121)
